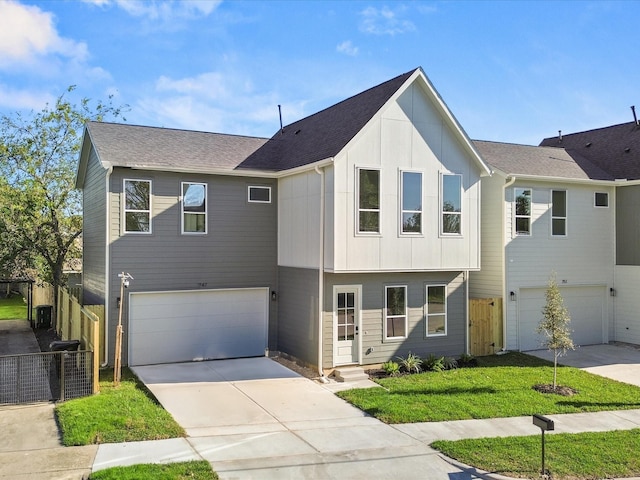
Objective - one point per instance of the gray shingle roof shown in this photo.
(615, 149)
(514, 159)
(169, 149)
(323, 134)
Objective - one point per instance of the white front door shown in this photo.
(346, 324)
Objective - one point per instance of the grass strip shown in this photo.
(13, 308)
(501, 386)
(582, 456)
(196, 470)
(126, 413)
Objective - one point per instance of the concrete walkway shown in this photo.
(307, 433)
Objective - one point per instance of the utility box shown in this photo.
(43, 316)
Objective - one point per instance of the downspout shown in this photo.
(505, 295)
(466, 308)
(320, 172)
(107, 276)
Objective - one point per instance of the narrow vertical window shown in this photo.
(436, 310)
(411, 202)
(194, 207)
(522, 209)
(137, 206)
(559, 212)
(451, 204)
(368, 201)
(395, 316)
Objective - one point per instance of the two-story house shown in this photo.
(346, 238)
(564, 208)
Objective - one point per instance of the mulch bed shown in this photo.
(559, 390)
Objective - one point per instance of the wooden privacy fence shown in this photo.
(485, 326)
(84, 323)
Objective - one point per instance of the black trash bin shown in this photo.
(64, 345)
(43, 316)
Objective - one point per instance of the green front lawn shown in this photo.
(584, 456)
(126, 413)
(499, 387)
(13, 308)
(200, 470)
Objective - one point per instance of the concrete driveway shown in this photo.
(616, 361)
(254, 418)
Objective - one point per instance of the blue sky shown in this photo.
(509, 71)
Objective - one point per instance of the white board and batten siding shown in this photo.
(626, 301)
(583, 261)
(408, 135)
(184, 326)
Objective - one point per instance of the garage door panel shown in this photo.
(184, 326)
(585, 306)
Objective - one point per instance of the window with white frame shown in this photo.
(395, 312)
(137, 206)
(411, 188)
(258, 194)
(368, 201)
(522, 211)
(451, 204)
(436, 310)
(559, 213)
(194, 207)
(601, 199)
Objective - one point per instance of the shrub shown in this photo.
(391, 368)
(411, 364)
(433, 363)
(467, 360)
(449, 363)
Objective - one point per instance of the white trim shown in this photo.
(205, 214)
(357, 321)
(427, 314)
(260, 187)
(406, 314)
(123, 226)
(357, 202)
(401, 209)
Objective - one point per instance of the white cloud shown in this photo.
(162, 9)
(385, 21)
(27, 34)
(13, 99)
(347, 48)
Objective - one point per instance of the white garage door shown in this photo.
(168, 327)
(585, 306)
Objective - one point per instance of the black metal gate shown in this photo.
(46, 376)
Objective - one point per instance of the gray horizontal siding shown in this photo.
(298, 313)
(627, 225)
(238, 251)
(94, 198)
(453, 344)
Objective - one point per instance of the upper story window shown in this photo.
(137, 206)
(258, 194)
(522, 209)
(194, 207)
(436, 310)
(451, 203)
(601, 199)
(559, 212)
(395, 312)
(368, 201)
(411, 188)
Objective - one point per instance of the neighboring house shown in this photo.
(346, 238)
(567, 208)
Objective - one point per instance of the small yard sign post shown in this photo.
(545, 424)
(117, 363)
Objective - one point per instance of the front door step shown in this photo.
(350, 374)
